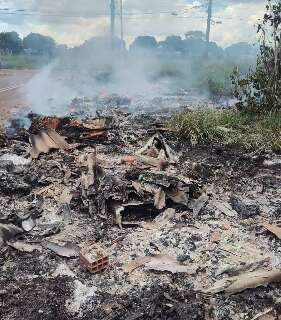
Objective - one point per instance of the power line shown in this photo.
(41, 14)
(67, 14)
(126, 15)
(32, 13)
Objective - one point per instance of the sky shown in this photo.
(71, 22)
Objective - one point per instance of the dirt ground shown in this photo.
(13, 100)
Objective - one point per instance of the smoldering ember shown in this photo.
(134, 195)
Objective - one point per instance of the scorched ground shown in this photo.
(173, 220)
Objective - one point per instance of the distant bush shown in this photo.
(22, 62)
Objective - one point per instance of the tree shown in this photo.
(260, 90)
(241, 50)
(102, 44)
(11, 41)
(173, 44)
(195, 45)
(144, 42)
(39, 44)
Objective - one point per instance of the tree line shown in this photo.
(34, 43)
(193, 44)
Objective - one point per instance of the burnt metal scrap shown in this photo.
(45, 141)
(76, 130)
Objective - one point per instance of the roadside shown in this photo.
(12, 100)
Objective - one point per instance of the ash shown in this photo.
(217, 198)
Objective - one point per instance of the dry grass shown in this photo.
(230, 127)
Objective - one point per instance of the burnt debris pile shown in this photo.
(113, 168)
(133, 222)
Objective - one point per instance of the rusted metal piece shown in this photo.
(88, 131)
(46, 122)
(95, 134)
(94, 258)
(129, 160)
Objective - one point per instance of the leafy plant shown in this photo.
(260, 90)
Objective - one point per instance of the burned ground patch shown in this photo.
(171, 219)
(156, 302)
(37, 299)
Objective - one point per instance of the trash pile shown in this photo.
(114, 217)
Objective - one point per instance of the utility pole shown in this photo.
(121, 23)
(112, 11)
(210, 7)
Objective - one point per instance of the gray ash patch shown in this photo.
(155, 302)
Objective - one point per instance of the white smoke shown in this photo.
(46, 93)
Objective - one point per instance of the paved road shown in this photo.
(11, 98)
(10, 88)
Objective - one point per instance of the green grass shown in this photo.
(23, 62)
(230, 127)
